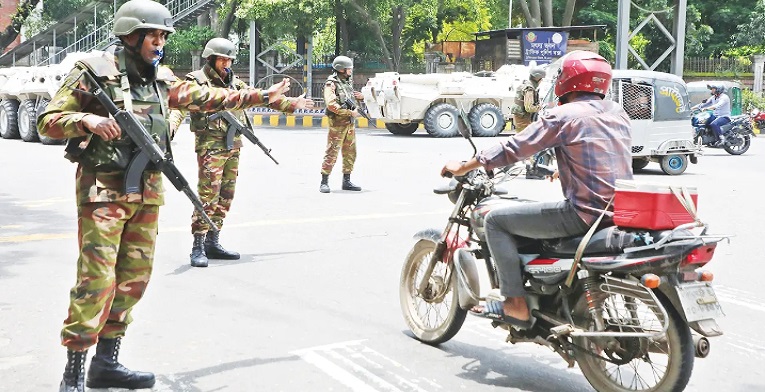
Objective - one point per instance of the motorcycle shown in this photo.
(622, 307)
(738, 133)
(758, 118)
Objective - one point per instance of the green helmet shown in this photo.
(342, 62)
(220, 47)
(537, 72)
(142, 14)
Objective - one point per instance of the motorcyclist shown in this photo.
(720, 103)
(591, 137)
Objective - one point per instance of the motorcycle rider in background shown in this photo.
(720, 103)
(591, 137)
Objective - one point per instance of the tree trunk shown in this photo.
(341, 30)
(203, 20)
(227, 22)
(375, 25)
(527, 14)
(536, 12)
(568, 13)
(397, 26)
(547, 13)
(12, 31)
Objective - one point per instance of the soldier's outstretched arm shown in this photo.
(175, 120)
(63, 117)
(191, 96)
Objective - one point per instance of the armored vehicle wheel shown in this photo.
(28, 121)
(44, 139)
(674, 164)
(486, 120)
(639, 164)
(441, 120)
(402, 129)
(9, 126)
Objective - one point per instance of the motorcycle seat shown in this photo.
(610, 240)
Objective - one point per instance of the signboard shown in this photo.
(543, 46)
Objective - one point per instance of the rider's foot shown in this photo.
(516, 308)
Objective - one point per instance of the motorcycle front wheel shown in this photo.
(741, 145)
(435, 316)
(643, 364)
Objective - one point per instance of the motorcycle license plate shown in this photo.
(699, 301)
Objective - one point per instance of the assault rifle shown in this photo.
(362, 109)
(236, 127)
(150, 152)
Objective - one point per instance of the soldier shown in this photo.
(527, 99)
(117, 231)
(218, 165)
(526, 106)
(337, 90)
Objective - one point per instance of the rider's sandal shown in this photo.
(494, 310)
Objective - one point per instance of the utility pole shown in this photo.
(510, 15)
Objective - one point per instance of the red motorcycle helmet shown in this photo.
(583, 71)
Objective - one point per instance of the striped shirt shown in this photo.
(592, 140)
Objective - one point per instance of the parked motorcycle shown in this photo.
(623, 308)
(738, 133)
(758, 118)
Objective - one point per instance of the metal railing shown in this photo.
(735, 65)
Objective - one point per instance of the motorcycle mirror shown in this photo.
(463, 124)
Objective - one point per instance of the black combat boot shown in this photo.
(198, 256)
(214, 250)
(74, 372)
(324, 187)
(106, 372)
(348, 185)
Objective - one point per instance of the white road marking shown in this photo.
(363, 369)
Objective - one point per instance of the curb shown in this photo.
(305, 121)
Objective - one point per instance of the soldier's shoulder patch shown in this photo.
(329, 84)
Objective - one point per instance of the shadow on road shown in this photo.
(499, 368)
(244, 259)
(184, 382)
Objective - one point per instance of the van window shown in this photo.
(637, 100)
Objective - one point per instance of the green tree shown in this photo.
(753, 32)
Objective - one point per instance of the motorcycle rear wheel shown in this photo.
(738, 150)
(436, 318)
(665, 366)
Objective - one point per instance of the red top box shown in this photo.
(650, 206)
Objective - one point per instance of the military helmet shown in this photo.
(537, 72)
(342, 62)
(220, 47)
(142, 14)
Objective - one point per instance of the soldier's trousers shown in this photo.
(218, 170)
(116, 257)
(341, 137)
(521, 122)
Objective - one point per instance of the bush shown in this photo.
(752, 100)
(180, 44)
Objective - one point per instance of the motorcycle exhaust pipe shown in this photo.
(700, 343)
(702, 346)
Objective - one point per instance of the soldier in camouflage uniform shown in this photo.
(117, 231)
(342, 135)
(527, 99)
(218, 165)
(526, 106)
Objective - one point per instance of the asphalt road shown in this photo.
(313, 303)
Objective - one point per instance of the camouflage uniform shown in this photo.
(526, 104)
(341, 124)
(117, 231)
(218, 166)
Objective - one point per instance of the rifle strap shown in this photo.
(127, 97)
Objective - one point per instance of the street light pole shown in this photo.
(510, 15)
